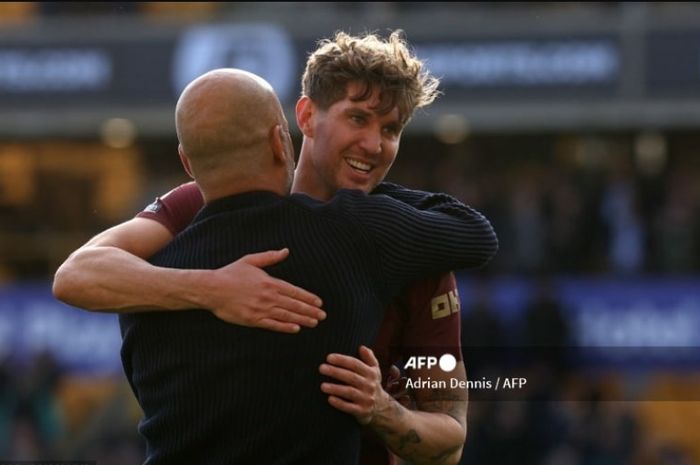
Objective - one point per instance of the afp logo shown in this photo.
(447, 362)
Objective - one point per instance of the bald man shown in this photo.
(217, 393)
(224, 121)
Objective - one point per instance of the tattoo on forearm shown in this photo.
(406, 444)
(409, 438)
(387, 432)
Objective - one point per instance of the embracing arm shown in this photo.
(417, 233)
(110, 270)
(435, 431)
(432, 435)
(110, 273)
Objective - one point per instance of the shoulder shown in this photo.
(176, 208)
(187, 193)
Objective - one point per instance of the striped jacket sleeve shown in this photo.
(417, 233)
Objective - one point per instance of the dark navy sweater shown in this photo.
(217, 393)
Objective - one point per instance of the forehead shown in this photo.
(370, 104)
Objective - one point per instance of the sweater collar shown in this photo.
(237, 201)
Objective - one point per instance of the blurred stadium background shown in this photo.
(573, 126)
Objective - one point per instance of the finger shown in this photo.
(298, 307)
(263, 259)
(368, 357)
(279, 326)
(346, 376)
(286, 316)
(347, 361)
(297, 293)
(345, 406)
(347, 393)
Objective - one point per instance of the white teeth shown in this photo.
(359, 165)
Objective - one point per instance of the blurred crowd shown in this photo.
(47, 414)
(601, 206)
(564, 415)
(560, 204)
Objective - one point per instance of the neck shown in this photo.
(306, 180)
(213, 190)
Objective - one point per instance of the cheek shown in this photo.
(390, 153)
(331, 151)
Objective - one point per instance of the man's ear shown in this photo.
(185, 161)
(278, 144)
(305, 111)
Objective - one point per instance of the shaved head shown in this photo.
(223, 120)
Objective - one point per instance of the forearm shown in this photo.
(430, 201)
(108, 278)
(422, 438)
(434, 434)
(419, 233)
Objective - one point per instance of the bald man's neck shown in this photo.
(227, 184)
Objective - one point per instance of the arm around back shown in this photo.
(110, 273)
(419, 233)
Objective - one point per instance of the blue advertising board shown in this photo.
(625, 323)
(32, 321)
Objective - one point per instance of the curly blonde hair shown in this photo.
(388, 65)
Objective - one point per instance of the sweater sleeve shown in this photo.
(176, 209)
(417, 233)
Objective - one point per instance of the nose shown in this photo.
(371, 142)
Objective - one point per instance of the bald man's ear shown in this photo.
(280, 143)
(185, 161)
(305, 111)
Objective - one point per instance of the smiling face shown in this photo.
(350, 145)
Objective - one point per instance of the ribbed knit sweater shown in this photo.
(217, 393)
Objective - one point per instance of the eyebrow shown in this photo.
(363, 112)
(359, 110)
(396, 125)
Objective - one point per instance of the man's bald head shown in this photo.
(225, 116)
(226, 122)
